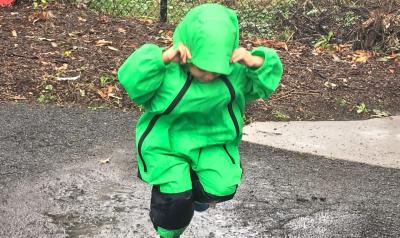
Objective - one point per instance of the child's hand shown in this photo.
(180, 55)
(243, 56)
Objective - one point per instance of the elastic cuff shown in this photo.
(164, 233)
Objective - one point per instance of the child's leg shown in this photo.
(171, 208)
(216, 174)
(170, 213)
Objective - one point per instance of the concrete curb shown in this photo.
(374, 141)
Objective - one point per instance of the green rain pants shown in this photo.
(211, 176)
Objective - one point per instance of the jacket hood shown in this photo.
(211, 32)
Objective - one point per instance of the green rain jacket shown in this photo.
(183, 115)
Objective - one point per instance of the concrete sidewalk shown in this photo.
(374, 141)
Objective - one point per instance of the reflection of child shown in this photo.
(194, 95)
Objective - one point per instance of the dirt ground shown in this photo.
(70, 56)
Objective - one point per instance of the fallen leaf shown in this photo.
(336, 58)
(67, 53)
(382, 59)
(41, 16)
(121, 30)
(392, 71)
(62, 68)
(72, 34)
(105, 161)
(103, 43)
(49, 14)
(393, 56)
(132, 45)
(54, 44)
(104, 19)
(14, 33)
(361, 56)
(101, 93)
(167, 41)
(81, 19)
(146, 21)
(18, 97)
(112, 48)
(45, 39)
(105, 93)
(368, 22)
(379, 113)
(167, 34)
(82, 92)
(116, 97)
(271, 43)
(344, 47)
(316, 51)
(330, 85)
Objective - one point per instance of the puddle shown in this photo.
(77, 225)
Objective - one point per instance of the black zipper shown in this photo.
(230, 109)
(231, 113)
(198, 157)
(230, 156)
(153, 120)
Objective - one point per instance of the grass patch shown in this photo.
(280, 116)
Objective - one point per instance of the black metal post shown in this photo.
(163, 10)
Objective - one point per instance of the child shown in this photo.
(194, 95)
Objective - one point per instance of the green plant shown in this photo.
(361, 108)
(349, 19)
(47, 94)
(42, 4)
(280, 116)
(286, 35)
(141, 108)
(267, 20)
(312, 12)
(324, 41)
(137, 8)
(341, 102)
(106, 78)
(247, 119)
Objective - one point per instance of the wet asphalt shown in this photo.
(53, 184)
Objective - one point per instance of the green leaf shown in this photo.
(361, 108)
(49, 87)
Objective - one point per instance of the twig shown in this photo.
(283, 96)
(310, 92)
(22, 56)
(319, 74)
(68, 78)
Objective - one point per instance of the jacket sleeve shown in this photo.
(263, 81)
(142, 73)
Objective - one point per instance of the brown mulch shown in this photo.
(37, 49)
